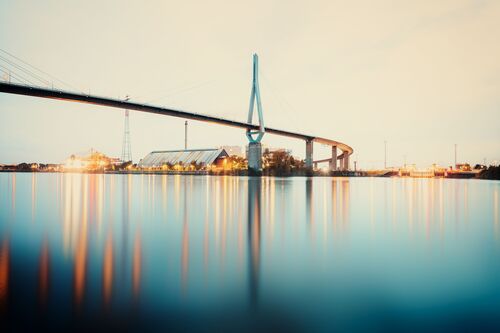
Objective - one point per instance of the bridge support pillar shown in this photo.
(346, 162)
(309, 155)
(333, 162)
(254, 159)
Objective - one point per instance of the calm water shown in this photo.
(154, 252)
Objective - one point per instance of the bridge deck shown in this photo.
(115, 103)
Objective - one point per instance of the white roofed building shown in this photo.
(184, 159)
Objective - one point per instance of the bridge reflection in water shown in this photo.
(167, 249)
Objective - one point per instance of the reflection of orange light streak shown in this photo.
(111, 197)
(4, 273)
(216, 188)
(256, 232)
(254, 240)
(205, 237)
(345, 202)
(152, 191)
(224, 217)
(177, 193)
(428, 207)
(81, 251)
(240, 226)
(92, 196)
(272, 205)
(137, 265)
(456, 203)
(466, 203)
(107, 270)
(411, 192)
(80, 265)
(13, 193)
(325, 213)
(100, 198)
(309, 207)
(33, 195)
(393, 203)
(334, 202)
(43, 276)
(441, 207)
(164, 192)
(372, 207)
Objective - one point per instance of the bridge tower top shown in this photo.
(255, 97)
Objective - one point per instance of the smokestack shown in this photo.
(185, 135)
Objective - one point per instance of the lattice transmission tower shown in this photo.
(126, 150)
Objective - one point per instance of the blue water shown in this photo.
(202, 253)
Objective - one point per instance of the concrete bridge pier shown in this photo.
(345, 161)
(254, 158)
(333, 162)
(309, 155)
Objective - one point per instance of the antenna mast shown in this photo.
(126, 150)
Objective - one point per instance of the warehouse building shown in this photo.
(189, 159)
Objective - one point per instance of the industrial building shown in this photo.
(185, 159)
(92, 160)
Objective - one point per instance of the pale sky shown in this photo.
(422, 75)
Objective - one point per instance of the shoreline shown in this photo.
(354, 174)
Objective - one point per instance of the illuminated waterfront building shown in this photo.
(92, 161)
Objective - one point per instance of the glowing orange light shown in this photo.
(4, 273)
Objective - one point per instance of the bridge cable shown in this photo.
(41, 71)
(286, 106)
(17, 76)
(26, 71)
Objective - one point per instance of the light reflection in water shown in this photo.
(4, 272)
(345, 202)
(253, 232)
(137, 265)
(43, 274)
(228, 236)
(206, 242)
(107, 270)
(334, 203)
(33, 195)
(13, 194)
(80, 256)
(185, 244)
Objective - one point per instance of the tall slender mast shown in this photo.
(126, 149)
(185, 135)
(455, 155)
(385, 154)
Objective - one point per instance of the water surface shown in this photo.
(202, 253)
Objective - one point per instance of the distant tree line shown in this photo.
(492, 172)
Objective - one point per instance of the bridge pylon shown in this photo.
(255, 136)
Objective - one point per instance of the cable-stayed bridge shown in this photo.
(27, 89)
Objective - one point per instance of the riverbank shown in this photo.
(492, 173)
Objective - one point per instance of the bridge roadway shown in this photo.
(18, 89)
